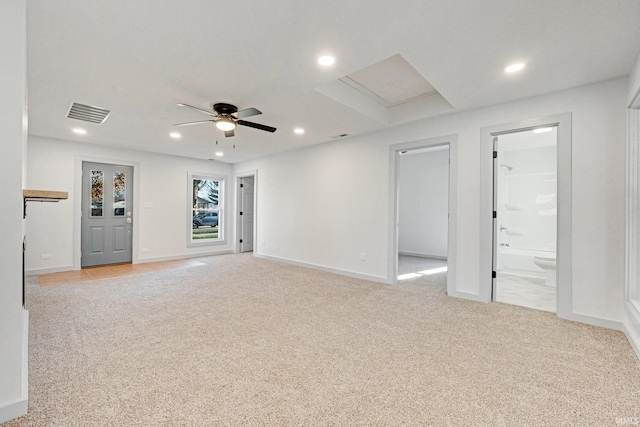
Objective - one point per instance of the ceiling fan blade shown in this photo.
(256, 126)
(247, 112)
(229, 133)
(211, 113)
(194, 123)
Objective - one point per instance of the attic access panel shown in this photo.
(390, 82)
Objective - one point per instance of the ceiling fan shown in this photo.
(227, 117)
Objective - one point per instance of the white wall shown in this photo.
(158, 179)
(423, 203)
(324, 205)
(632, 309)
(13, 319)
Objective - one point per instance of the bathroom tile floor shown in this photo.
(525, 291)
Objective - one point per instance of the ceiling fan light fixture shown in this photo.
(225, 124)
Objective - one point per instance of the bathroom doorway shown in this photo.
(525, 218)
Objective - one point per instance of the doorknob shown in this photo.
(503, 228)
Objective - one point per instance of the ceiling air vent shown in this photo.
(88, 113)
(342, 135)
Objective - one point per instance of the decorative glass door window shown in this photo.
(119, 188)
(97, 193)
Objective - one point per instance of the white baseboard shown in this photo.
(422, 255)
(594, 321)
(632, 326)
(19, 408)
(183, 256)
(324, 268)
(467, 295)
(13, 410)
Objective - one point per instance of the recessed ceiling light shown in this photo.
(175, 135)
(219, 154)
(542, 130)
(299, 131)
(514, 67)
(326, 60)
(79, 131)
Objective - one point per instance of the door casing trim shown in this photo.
(238, 220)
(564, 224)
(394, 150)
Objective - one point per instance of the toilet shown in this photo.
(548, 264)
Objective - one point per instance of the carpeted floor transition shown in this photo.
(243, 341)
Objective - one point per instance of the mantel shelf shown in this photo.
(44, 195)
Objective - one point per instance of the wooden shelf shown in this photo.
(44, 195)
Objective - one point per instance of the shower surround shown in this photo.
(527, 207)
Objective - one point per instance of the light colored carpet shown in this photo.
(242, 341)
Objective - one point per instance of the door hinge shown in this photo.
(241, 213)
(241, 185)
(495, 154)
(240, 240)
(495, 214)
(493, 274)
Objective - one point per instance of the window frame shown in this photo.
(221, 239)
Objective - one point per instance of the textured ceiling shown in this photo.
(140, 58)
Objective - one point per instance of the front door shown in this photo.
(107, 217)
(246, 213)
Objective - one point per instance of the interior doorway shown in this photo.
(107, 214)
(423, 211)
(525, 218)
(562, 124)
(422, 240)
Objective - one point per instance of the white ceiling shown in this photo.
(140, 58)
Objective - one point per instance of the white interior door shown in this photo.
(246, 213)
(107, 216)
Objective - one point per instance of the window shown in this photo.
(97, 193)
(119, 187)
(206, 207)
